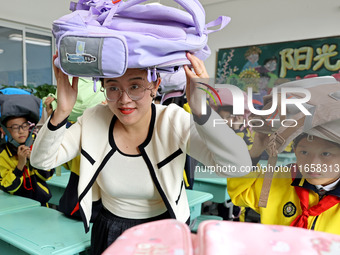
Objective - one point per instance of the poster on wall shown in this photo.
(262, 67)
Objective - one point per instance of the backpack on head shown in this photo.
(319, 97)
(102, 39)
(20, 105)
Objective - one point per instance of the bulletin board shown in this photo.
(267, 65)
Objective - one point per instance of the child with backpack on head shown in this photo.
(17, 176)
(304, 194)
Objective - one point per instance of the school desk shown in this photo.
(216, 186)
(195, 200)
(12, 203)
(41, 230)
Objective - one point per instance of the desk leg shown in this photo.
(230, 206)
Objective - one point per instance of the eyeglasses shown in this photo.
(16, 128)
(135, 92)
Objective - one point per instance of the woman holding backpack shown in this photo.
(133, 151)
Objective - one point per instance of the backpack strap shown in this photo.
(221, 21)
(267, 182)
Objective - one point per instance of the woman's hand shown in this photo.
(194, 95)
(24, 152)
(66, 94)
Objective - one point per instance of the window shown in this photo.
(11, 66)
(39, 59)
(25, 56)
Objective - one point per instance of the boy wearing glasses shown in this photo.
(17, 176)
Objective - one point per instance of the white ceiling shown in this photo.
(207, 2)
(203, 2)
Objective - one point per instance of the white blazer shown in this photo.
(172, 134)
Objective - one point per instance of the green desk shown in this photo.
(195, 200)
(57, 185)
(12, 203)
(59, 181)
(41, 230)
(215, 186)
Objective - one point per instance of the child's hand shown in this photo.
(48, 103)
(24, 152)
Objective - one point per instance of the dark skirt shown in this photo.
(108, 227)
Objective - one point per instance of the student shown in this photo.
(300, 195)
(17, 175)
(133, 151)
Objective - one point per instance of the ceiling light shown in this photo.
(30, 40)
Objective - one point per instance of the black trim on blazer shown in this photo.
(82, 215)
(149, 164)
(180, 192)
(110, 134)
(146, 141)
(151, 127)
(156, 182)
(87, 156)
(93, 179)
(113, 143)
(169, 158)
(54, 128)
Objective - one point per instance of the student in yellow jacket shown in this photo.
(305, 194)
(17, 176)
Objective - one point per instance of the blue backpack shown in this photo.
(14, 91)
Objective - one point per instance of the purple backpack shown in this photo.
(103, 38)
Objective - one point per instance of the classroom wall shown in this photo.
(39, 13)
(253, 21)
(268, 21)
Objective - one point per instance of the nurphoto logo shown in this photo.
(281, 99)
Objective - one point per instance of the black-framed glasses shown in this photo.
(135, 92)
(16, 128)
